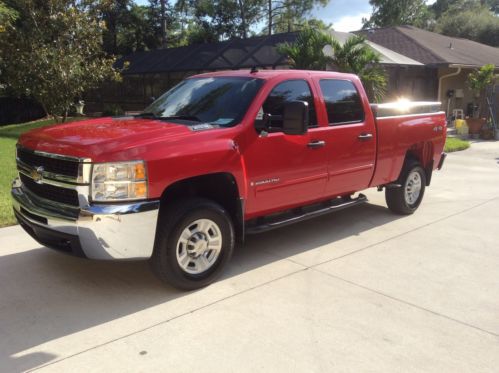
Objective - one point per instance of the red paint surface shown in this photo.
(173, 152)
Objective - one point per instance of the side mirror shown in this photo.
(295, 118)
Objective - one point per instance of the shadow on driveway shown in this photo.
(45, 295)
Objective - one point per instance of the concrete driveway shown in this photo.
(361, 290)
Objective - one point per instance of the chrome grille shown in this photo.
(50, 192)
(56, 178)
(50, 164)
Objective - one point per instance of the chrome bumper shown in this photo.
(114, 231)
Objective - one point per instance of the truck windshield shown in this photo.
(219, 101)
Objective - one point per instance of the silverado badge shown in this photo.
(37, 174)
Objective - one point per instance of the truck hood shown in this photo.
(98, 137)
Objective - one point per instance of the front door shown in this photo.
(285, 170)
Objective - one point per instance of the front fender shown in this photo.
(210, 157)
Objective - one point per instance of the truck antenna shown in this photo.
(254, 70)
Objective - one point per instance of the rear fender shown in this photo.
(422, 153)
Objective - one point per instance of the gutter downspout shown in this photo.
(441, 79)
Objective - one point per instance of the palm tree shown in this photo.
(306, 52)
(353, 56)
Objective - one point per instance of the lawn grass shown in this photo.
(8, 138)
(454, 144)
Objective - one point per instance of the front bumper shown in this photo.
(113, 231)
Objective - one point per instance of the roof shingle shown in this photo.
(233, 54)
(431, 48)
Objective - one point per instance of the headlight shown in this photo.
(119, 181)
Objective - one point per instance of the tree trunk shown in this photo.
(290, 18)
(270, 17)
(64, 116)
(483, 107)
(163, 24)
(243, 18)
(44, 107)
(113, 15)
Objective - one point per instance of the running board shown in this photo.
(265, 224)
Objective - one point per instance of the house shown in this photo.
(447, 62)
(421, 65)
(149, 74)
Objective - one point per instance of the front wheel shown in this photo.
(406, 199)
(194, 243)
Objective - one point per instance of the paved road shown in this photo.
(362, 290)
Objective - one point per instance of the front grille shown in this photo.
(39, 219)
(51, 192)
(53, 165)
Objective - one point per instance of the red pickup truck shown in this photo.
(219, 156)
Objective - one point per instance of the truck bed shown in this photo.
(421, 129)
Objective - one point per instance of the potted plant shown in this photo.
(478, 80)
(79, 107)
(487, 131)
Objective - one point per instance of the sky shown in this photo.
(345, 15)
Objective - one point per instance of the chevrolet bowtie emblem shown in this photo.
(37, 174)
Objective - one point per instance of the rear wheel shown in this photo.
(406, 199)
(194, 243)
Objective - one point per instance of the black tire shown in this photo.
(173, 220)
(396, 198)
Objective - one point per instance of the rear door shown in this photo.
(351, 136)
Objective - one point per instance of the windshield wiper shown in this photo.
(172, 117)
(182, 117)
(146, 115)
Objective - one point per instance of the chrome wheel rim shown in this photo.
(199, 246)
(412, 187)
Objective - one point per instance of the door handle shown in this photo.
(316, 144)
(365, 136)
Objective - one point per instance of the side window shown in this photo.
(343, 102)
(290, 90)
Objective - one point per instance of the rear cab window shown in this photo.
(343, 102)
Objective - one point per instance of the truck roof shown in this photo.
(269, 74)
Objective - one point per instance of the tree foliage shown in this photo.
(130, 27)
(52, 52)
(161, 23)
(307, 51)
(467, 19)
(478, 80)
(388, 13)
(354, 56)
(289, 15)
(439, 7)
(7, 16)
(226, 19)
(471, 19)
